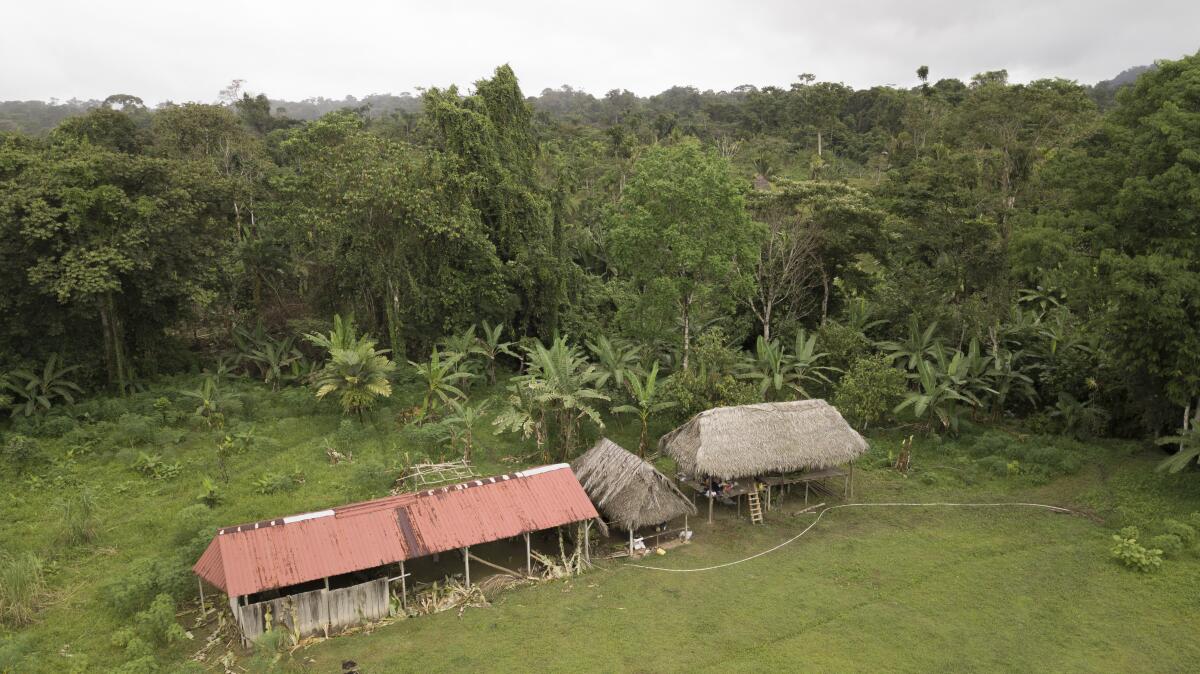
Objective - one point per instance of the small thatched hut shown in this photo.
(628, 491)
(753, 440)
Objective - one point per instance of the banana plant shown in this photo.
(274, 359)
(461, 423)
(1009, 380)
(769, 367)
(935, 398)
(646, 403)
(36, 391)
(915, 347)
(804, 366)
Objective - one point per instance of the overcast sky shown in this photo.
(189, 49)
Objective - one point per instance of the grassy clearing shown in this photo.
(915, 590)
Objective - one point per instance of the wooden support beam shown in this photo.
(587, 546)
(497, 567)
(403, 587)
(630, 541)
(467, 564)
(528, 556)
(203, 608)
(710, 500)
(325, 598)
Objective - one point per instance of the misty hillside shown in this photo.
(39, 117)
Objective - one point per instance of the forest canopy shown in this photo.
(1027, 250)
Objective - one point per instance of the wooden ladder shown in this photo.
(756, 515)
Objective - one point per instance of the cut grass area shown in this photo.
(915, 590)
(866, 590)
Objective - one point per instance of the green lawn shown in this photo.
(866, 589)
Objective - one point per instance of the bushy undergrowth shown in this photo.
(1040, 457)
(77, 512)
(22, 588)
(1128, 551)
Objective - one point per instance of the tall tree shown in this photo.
(683, 231)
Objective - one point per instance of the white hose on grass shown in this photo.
(859, 505)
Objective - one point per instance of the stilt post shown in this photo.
(631, 541)
(203, 608)
(403, 587)
(325, 599)
(467, 564)
(528, 556)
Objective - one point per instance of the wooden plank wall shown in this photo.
(304, 613)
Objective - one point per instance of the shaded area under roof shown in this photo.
(629, 491)
(277, 553)
(749, 440)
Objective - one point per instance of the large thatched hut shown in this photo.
(628, 491)
(753, 440)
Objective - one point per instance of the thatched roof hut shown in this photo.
(627, 490)
(751, 440)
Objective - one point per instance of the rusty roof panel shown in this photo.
(290, 550)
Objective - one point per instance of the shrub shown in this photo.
(271, 482)
(146, 578)
(1132, 554)
(21, 451)
(78, 515)
(153, 466)
(210, 493)
(870, 390)
(1185, 532)
(370, 479)
(22, 588)
(194, 521)
(1170, 544)
(844, 345)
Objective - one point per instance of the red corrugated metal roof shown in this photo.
(276, 553)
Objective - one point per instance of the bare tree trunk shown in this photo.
(114, 343)
(824, 295)
(767, 320)
(687, 328)
(818, 142)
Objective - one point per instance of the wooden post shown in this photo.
(467, 564)
(203, 608)
(710, 500)
(850, 482)
(806, 492)
(631, 541)
(528, 556)
(587, 548)
(325, 597)
(403, 587)
(739, 499)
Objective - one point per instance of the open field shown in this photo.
(906, 589)
(866, 590)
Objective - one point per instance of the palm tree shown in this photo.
(461, 424)
(36, 391)
(342, 336)
(803, 364)
(645, 398)
(491, 346)
(441, 377)
(564, 385)
(618, 361)
(1189, 449)
(359, 375)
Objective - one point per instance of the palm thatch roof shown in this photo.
(627, 490)
(749, 440)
